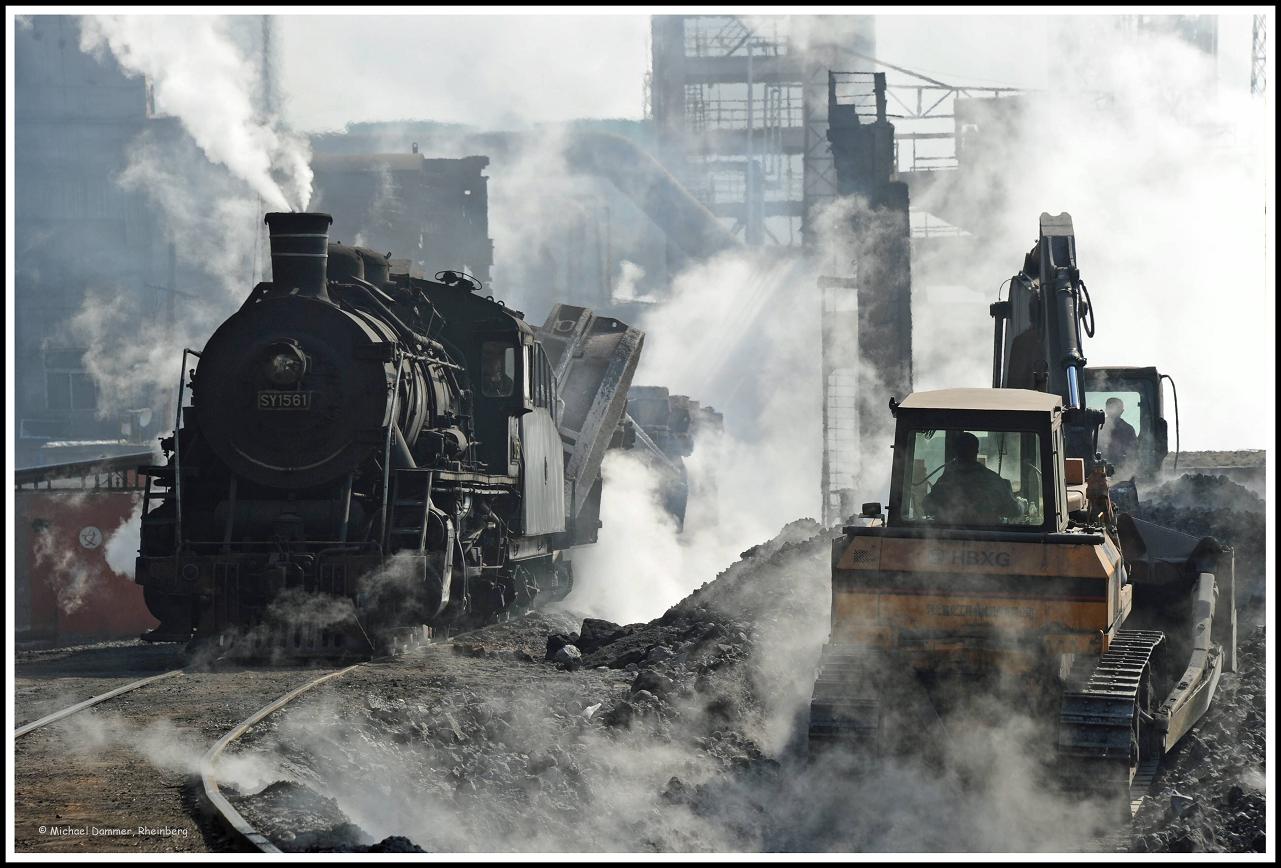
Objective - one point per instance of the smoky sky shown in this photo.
(495, 71)
(1170, 218)
(513, 70)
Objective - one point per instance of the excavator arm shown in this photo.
(1037, 332)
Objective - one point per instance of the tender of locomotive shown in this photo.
(367, 453)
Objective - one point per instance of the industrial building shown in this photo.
(84, 230)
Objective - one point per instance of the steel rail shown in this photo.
(88, 703)
(209, 778)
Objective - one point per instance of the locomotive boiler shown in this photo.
(367, 455)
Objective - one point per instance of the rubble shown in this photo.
(1204, 505)
(1210, 793)
(1199, 488)
(596, 633)
(557, 641)
(569, 657)
(681, 734)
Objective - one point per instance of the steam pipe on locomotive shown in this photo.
(368, 453)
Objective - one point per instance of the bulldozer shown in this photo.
(1002, 562)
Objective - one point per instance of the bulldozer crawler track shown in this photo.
(846, 706)
(1107, 744)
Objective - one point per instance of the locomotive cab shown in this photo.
(514, 398)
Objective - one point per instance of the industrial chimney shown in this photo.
(299, 252)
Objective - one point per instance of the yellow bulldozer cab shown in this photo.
(980, 458)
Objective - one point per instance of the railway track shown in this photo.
(209, 773)
(209, 782)
(89, 703)
(105, 773)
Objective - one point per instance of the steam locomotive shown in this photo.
(369, 455)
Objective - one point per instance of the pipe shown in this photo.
(1000, 311)
(299, 252)
(391, 425)
(231, 515)
(1177, 444)
(400, 455)
(345, 497)
(447, 566)
(1073, 386)
(1060, 303)
(372, 292)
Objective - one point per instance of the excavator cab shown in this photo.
(1138, 391)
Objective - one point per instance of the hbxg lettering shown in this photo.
(969, 558)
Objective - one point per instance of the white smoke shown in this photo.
(804, 32)
(1165, 179)
(738, 333)
(213, 220)
(127, 373)
(164, 746)
(121, 546)
(75, 573)
(541, 216)
(637, 562)
(628, 288)
(1156, 175)
(70, 576)
(201, 76)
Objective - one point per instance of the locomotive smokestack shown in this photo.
(299, 252)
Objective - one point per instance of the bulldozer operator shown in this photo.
(968, 492)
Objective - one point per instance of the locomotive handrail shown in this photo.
(392, 421)
(177, 454)
(306, 545)
(391, 317)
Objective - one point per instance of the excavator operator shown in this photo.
(969, 493)
(1117, 436)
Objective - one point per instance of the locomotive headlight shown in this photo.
(285, 365)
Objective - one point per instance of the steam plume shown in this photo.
(201, 76)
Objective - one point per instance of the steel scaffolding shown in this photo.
(741, 111)
(1258, 57)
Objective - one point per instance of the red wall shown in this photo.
(66, 590)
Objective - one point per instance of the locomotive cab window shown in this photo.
(528, 372)
(544, 379)
(540, 377)
(498, 369)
